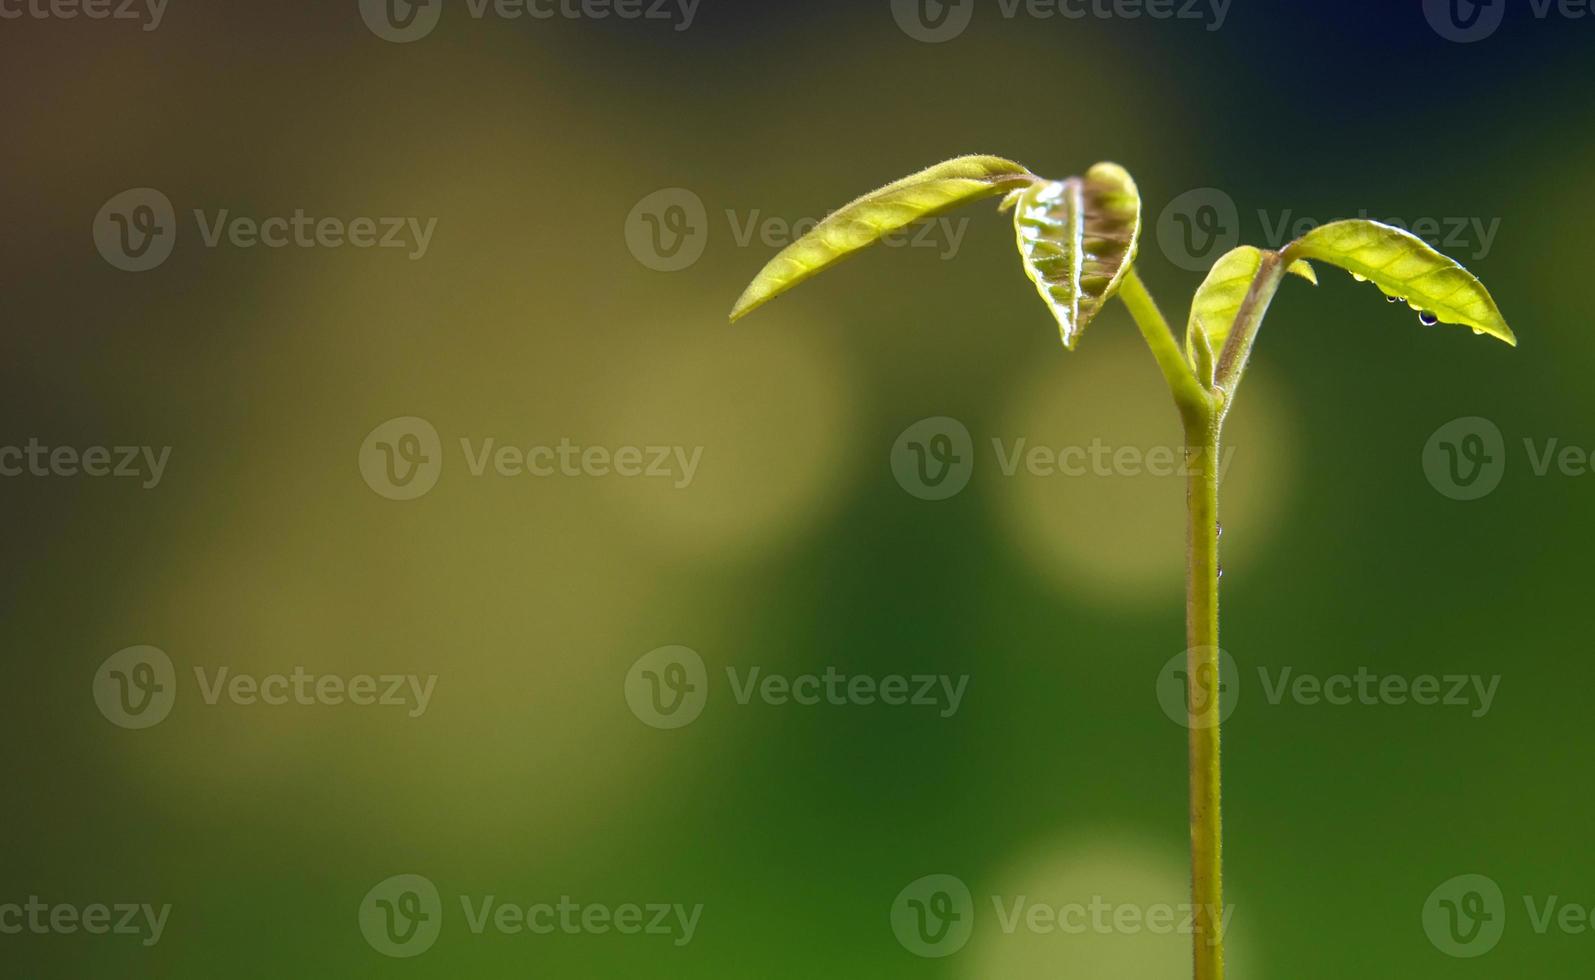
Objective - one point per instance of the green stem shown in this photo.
(1193, 400)
(1203, 412)
(1202, 438)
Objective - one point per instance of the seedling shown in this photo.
(1077, 241)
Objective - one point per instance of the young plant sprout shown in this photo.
(1077, 241)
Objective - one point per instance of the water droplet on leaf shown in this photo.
(1359, 278)
(1427, 319)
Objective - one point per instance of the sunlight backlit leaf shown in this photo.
(877, 214)
(1404, 266)
(1077, 238)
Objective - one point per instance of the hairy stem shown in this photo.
(1202, 693)
(1202, 411)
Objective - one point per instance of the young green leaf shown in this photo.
(877, 214)
(1218, 300)
(1403, 266)
(1077, 238)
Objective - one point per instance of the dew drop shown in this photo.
(1427, 319)
(1219, 527)
(1221, 571)
(1477, 332)
(1395, 299)
(1359, 278)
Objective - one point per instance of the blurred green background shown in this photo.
(534, 316)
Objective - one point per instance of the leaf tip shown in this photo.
(747, 303)
(1304, 269)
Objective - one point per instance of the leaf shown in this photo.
(877, 214)
(1218, 300)
(1077, 238)
(1404, 266)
